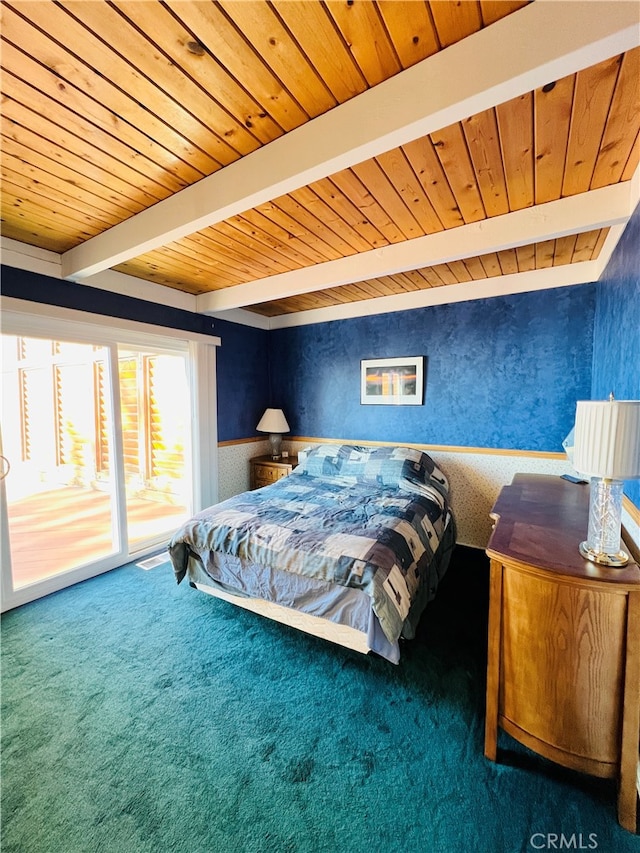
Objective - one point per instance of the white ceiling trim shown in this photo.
(596, 209)
(542, 42)
(22, 316)
(243, 318)
(22, 256)
(139, 288)
(486, 288)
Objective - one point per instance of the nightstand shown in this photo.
(264, 470)
(563, 673)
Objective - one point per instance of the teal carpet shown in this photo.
(141, 716)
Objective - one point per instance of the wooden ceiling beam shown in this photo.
(540, 43)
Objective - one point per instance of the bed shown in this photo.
(350, 547)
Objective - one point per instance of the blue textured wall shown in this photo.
(616, 348)
(243, 379)
(501, 373)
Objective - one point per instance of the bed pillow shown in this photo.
(398, 467)
(344, 461)
(406, 468)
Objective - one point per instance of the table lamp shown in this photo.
(607, 449)
(274, 422)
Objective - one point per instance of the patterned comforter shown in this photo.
(368, 518)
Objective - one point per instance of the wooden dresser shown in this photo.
(264, 470)
(563, 674)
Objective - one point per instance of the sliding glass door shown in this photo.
(98, 441)
(57, 430)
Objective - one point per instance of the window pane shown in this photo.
(57, 429)
(156, 435)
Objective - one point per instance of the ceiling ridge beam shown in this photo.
(599, 208)
(539, 43)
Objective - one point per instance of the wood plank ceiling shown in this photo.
(110, 108)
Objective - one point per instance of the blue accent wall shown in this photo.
(616, 346)
(500, 373)
(243, 379)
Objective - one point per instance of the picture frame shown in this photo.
(392, 381)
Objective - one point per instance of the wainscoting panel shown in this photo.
(233, 466)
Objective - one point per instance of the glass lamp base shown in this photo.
(616, 560)
(605, 515)
(275, 440)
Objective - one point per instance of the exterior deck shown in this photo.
(60, 529)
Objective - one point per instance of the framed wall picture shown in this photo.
(392, 381)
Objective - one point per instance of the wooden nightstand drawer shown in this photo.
(264, 470)
(268, 473)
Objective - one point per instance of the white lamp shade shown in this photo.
(273, 420)
(607, 439)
